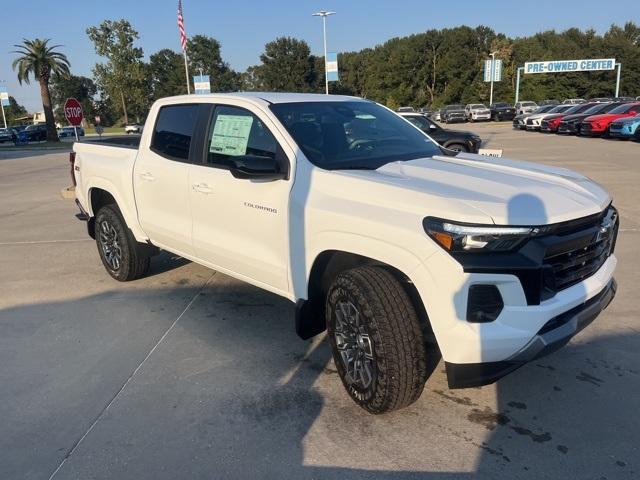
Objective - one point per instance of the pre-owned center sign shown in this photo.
(564, 66)
(567, 66)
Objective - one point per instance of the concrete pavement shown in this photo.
(188, 373)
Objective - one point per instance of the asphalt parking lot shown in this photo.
(188, 373)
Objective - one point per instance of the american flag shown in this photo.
(183, 35)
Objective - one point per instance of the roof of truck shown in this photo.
(270, 97)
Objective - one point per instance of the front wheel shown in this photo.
(457, 147)
(116, 247)
(376, 339)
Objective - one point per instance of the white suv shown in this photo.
(525, 107)
(477, 111)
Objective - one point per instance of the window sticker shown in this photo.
(231, 134)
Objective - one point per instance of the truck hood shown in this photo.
(509, 192)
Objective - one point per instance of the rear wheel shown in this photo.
(376, 339)
(116, 247)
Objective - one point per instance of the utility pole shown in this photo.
(324, 14)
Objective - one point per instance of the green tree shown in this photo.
(166, 73)
(14, 111)
(204, 53)
(40, 60)
(287, 66)
(81, 88)
(123, 78)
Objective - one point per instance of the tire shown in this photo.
(389, 345)
(116, 247)
(458, 147)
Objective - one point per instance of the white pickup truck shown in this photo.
(397, 247)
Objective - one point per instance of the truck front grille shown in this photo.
(579, 262)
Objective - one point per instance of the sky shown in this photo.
(244, 26)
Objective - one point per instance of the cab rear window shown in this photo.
(173, 131)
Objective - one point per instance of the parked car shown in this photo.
(477, 111)
(601, 99)
(406, 109)
(133, 128)
(571, 124)
(65, 132)
(436, 115)
(574, 101)
(377, 229)
(598, 125)
(33, 133)
(525, 107)
(548, 102)
(625, 127)
(7, 135)
(551, 123)
(519, 121)
(624, 99)
(533, 121)
(455, 140)
(502, 111)
(453, 114)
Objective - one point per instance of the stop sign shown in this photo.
(73, 112)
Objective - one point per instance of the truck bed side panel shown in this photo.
(109, 168)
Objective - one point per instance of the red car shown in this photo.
(599, 124)
(550, 123)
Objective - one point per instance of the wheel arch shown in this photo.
(327, 265)
(101, 192)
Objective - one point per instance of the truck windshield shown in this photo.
(352, 135)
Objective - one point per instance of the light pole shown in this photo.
(324, 14)
(4, 119)
(493, 74)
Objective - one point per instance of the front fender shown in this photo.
(391, 254)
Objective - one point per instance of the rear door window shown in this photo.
(173, 131)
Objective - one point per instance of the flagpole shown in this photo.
(183, 43)
(186, 71)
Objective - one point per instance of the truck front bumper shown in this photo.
(492, 313)
(553, 335)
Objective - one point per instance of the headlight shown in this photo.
(455, 237)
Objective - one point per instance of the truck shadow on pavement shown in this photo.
(231, 392)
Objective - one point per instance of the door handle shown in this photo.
(202, 188)
(148, 176)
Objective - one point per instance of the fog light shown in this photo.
(484, 303)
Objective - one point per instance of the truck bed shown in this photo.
(125, 141)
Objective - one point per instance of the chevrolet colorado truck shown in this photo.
(351, 212)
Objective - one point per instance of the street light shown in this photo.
(324, 14)
(4, 118)
(493, 73)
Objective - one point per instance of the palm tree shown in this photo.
(40, 60)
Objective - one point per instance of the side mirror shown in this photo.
(432, 127)
(254, 167)
(633, 112)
